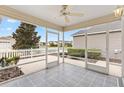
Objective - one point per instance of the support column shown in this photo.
(86, 50)
(58, 49)
(46, 47)
(122, 44)
(31, 53)
(107, 52)
(63, 44)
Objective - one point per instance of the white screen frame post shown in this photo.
(46, 48)
(63, 44)
(107, 51)
(58, 48)
(58, 52)
(86, 54)
(122, 45)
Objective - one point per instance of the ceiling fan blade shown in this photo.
(67, 19)
(76, 14)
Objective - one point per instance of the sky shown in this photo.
(8, 26)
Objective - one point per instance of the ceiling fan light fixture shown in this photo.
(119, 11)
(66, 13)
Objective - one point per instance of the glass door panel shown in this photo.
(96, 52)
(52, 48)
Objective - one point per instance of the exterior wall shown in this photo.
(79, 42)
(115, 44)
(6, 43)
(99, 41)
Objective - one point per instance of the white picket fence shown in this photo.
(25, 53)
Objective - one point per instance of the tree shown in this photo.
(52, 44)
(68, 45)
(26, 37)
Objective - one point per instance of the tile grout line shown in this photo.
(82, 78)
(92, 81)
(59, 82)
(31, 82)
(117, 82)
(104, 81)
(67, 80)
(120, 82)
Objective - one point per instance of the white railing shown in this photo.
(25, 53)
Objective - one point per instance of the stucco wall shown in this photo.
(99, 41)
(79, 42)
(115, 44)
(6, 44)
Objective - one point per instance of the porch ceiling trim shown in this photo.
(12, 13)
(96, 21)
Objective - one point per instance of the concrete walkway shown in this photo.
(114, 69)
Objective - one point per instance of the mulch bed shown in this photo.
(9, 73)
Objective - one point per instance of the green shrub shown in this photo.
(15, 59)
(92, 53)
(94, 49)
(65, 53)
(76, 52)
(9, 61)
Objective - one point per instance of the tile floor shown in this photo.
(65, 75)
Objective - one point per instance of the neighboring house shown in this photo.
(97, 39)
(6, 42)
(41, 44)
(56, 42)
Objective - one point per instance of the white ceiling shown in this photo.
(51, 12)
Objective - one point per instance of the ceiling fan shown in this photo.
(65, 11)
